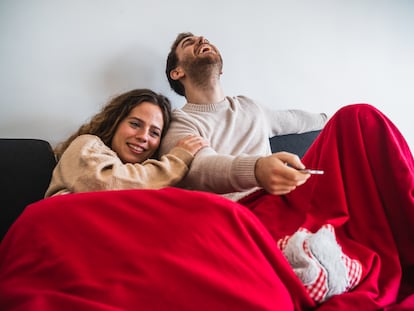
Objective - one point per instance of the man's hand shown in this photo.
(278, 174)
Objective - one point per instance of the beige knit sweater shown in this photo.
(89, 165)
(238, 130)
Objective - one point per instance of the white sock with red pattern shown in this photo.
(319, 262)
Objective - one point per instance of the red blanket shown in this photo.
(143, 250)
(173, 249)
(367, 193)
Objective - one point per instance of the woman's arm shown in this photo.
(89, 165)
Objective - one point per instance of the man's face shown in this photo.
(197, 54)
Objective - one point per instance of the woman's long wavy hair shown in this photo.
(105, 123)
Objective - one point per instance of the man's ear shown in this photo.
(177, 73)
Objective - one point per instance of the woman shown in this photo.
(113, 150)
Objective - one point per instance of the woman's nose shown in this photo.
(142, 135)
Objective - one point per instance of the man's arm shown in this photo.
(293, 121)
(209, 170)
(222, 173)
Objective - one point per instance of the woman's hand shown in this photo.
(192, 143)
(278, 173)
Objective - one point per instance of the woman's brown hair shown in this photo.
(105, 123)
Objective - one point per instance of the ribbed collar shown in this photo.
(206, 108)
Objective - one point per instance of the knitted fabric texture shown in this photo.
(319, 262)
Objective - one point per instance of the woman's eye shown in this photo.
(155, 134)
(134, 124)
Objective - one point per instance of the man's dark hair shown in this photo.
(172, 62)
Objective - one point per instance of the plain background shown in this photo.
(61, 61)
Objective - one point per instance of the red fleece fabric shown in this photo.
(167, 249)
(174, 249)
(367, 194)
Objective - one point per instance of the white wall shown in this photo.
(61, 60)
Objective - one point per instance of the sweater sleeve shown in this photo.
(293, 121)
(220, 173)
(89, 165)
(212, 171)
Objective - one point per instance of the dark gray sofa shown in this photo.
(26, 167)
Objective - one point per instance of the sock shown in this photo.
(319, 262)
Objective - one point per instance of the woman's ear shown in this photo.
(177, 73)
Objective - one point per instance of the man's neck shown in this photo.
(204, 96)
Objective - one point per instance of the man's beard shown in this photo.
(202, 69)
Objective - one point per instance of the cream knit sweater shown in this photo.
(89, 165)
(238, 130)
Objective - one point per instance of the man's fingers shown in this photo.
(290, 159)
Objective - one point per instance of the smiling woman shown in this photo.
(139, 134)
(113, 151)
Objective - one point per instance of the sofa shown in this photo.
(176, 249)
(27, 164)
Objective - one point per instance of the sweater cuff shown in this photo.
(243, 176)
(182, 154)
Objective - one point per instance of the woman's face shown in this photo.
(139, 134)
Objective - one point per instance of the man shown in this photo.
(368, 181)
(239, 159)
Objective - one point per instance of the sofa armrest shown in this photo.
(26, 167)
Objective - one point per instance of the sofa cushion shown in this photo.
(294, 143)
